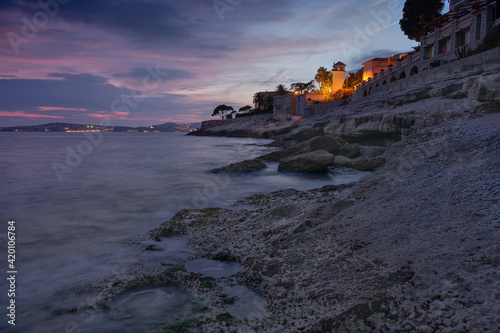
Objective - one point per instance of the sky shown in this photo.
(144, 62)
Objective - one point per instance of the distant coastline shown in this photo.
(83, 128)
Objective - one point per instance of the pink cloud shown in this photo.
(55, 108)
(99, 115)
(27, 115)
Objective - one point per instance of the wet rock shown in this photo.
(317, 161)
(245, 166)
(152, 247)
(278, 155)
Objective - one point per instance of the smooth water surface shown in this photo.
(73, 229)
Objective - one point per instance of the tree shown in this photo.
(281, 90)
(418, 13)
(354, 79)
(245, 109)
(222, 111)
(324, 78)
(269, 102)
(303, 87)
(259, 100)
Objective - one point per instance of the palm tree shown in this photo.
(281, 90)
(259, 100)
(354, 79)
(269, 102)
(303, 87)
(324, 78)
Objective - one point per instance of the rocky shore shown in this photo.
(412, 247)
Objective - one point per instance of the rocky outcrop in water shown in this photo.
(316, 161)
(245, 166)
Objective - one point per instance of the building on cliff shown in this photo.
(305, 100)
(463, 28)
(338, 76)
(285, 107)
(374, 67)
(294, 106)
(448, 38)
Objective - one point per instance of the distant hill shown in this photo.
(71, 128)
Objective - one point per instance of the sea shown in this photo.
(73, 202)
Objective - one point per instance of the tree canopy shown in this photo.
(263, 101)
(281, 90)
(303, 87)
(324, 78)
(245, 109)
(259, 99)
(353, 79)
(223, 111)
(418, 13)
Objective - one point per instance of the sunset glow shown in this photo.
(176, 60)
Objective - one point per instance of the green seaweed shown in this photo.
(183, 326)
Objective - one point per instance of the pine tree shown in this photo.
(418, 13)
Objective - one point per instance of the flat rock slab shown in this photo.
(245, 166)
(316, 161)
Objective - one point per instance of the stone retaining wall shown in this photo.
(321, 107)
(414, 72)
(215, 123)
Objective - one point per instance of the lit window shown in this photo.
(429, 52)
(444, 45)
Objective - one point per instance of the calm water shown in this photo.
(73, 229)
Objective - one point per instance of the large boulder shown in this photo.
(332, 144)
(316, 161)
(351, 150)
(245, 166)
(361, 163)
(275, 132)
(303, 134)
(278, 155)
(329, 143)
